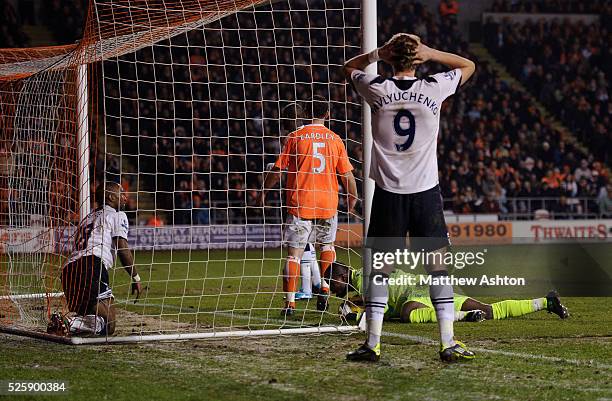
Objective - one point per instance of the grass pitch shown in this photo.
(535, 357)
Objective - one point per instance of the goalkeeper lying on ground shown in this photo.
(411, 304)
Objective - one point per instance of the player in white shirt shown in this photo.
(407, 198)
(99, 238)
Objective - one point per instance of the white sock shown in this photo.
(376, 302)
(91, 324)
(442, 300)
(305, 268)
(374, 319)
(324, 284)
(538, 304)
(460, 315)
(315, 274)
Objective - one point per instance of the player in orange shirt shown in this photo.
(314, 157)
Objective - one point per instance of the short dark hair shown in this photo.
(336, 270)
(291, 116)
(102, 190)
(319, 107)
(403, 48)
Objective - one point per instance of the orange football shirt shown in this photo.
(313, 156)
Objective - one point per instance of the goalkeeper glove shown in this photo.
(349, 311)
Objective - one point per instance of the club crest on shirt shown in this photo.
(359, 76)
(450, 75)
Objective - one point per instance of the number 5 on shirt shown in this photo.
(315, 153)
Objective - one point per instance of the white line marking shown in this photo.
(577, 362)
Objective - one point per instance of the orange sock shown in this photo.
(290, 278)
(328, 256)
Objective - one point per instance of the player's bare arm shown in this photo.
(425, 53)
(361, 61)
(272, 178)
(127, 260)
(349, 183)
(356, 63)
(422, 54)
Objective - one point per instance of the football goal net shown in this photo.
(183, 103)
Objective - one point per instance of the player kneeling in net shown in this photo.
(100, 237)
(314, 157)
(412, 304)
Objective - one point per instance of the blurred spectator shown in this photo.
(448, 9)
(583, 171)
(552, 6)
(200, 214)
(65, 19)
(604, 201)
(11, 31)
(155, 221)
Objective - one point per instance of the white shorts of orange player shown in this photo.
(299, 232)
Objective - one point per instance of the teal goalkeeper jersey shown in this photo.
(399, 292)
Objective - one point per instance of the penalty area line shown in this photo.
(553, 359)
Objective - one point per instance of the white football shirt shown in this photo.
(95, 235)
(405, 124)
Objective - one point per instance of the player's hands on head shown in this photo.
(424, 53)
(387, 52)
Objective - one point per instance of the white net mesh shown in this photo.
(38, 187)
(186, 114)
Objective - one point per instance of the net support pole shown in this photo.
(369, 43)
(369, 39)
(83, 141)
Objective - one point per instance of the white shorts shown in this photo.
(298, 232)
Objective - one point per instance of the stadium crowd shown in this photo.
(566, 66)
(496, 152)
(64, 18)
(198, 126)
(11, 27)
(552, 6)
(203, 130)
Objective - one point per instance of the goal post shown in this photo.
(368, 43)
(180, 103)
(83, 141)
